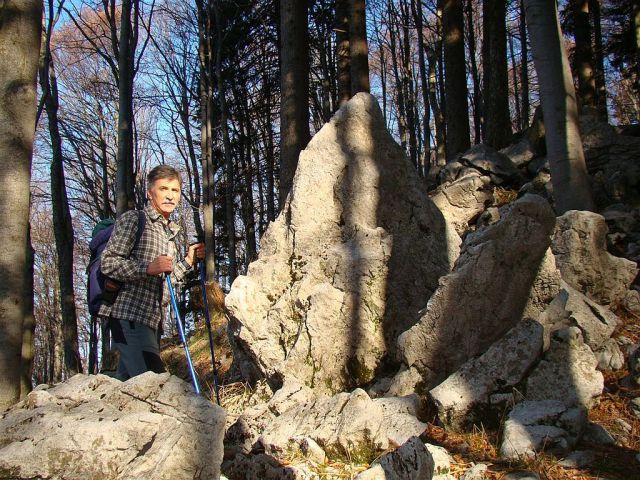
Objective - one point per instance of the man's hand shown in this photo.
(196, 251)
(161, 264)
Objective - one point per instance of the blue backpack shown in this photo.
(102, 289)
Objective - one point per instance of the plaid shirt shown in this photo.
(143, 298)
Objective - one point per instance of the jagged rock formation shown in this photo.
(152, 426)
(355, 254)
(500, 261)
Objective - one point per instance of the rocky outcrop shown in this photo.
(580, 247)
(412, 461)
(152, 426)
(486, 293)
(296, 419)
(543, 425)
(353, 257)
(567, 372)
(466, 396)
(464, 199)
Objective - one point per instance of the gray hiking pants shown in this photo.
(139, 348)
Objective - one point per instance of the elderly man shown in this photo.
(135, 317)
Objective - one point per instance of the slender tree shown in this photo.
(342, 51)
(559, 107)
(524, 68)
(496, 80)
(457, 106)
(294, 85)
(20, 26)
(62, 226)
(358, 47)
(583, 54)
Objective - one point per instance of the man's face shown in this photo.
(164, 195)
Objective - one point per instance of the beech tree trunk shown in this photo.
(342, 51)
(294, 78)
(583, 54)
(457, 106)
(20, 26)
(497, 130)
(125, 179)
(358, 47)
(559, 107)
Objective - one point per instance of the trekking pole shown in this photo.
(207, 320)
(174, 304)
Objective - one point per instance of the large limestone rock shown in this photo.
(463, 200)
(498, 370)
(485, 295)
(355, 254)
(412, 461)
(567, 372)
(96, 427)
(580, 247)
(549, 425)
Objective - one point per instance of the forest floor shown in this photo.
(615, 462)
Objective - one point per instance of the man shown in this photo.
(136, 316)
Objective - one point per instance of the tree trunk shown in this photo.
(514, 72)
(228, 160)
(125, 179)
(524, 69)
(496, 77)
(358, 48)
(62, 226)
(29, 325)
(20, 24)
(583, 54)
(478, 108)
(416, 10)
(205, 63)
(294, 77)
(342, 51)
(601, 90)
(559, 107)
(457, 107)
(438, 117)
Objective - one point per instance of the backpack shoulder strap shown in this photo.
(141, 225)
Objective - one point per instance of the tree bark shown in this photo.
(125, 179)
(20, 24)
(294, 78)
(342, 51)
(496, 77)
(560, 111)
(358, 47)
(524, 69)
(598, 55)
(29, 325)
(205, 63)
(478, 108)
(583, 54)
(457, 106)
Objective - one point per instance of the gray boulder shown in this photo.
(490, 162)
(567, 372)
(609, 356)
(412, 461)
(464, 199)
(152, 426)
(536, 425)
(580, 247)
(499, 369)
(353, 257)
(485, 295)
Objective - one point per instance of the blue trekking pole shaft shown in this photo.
(207, 319)
(174, 304)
